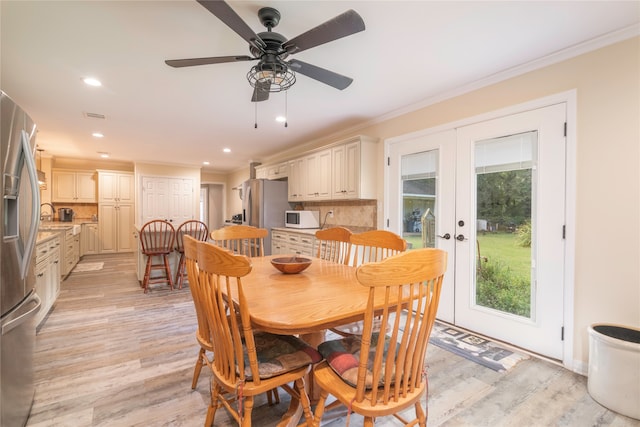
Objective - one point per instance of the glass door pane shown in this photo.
(418, 177)
(505, 172)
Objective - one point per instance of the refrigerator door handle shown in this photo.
(35, 195)
(24, 316)
(249, 206)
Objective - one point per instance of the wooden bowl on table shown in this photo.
(291, 264)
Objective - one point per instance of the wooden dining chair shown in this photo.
(196, 229)
(241, 239)
(379, 374)
(156, 240)
(203, 334)
(371, 246)
(334, 244)
(246, 362)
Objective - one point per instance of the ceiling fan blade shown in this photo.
(227, 15)
(261, 92)
(322, 75)
(341, 26)
(177, 63)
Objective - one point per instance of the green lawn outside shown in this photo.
(504, 283)
(503, 247)
(495, 246)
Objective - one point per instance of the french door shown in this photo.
(492, 195)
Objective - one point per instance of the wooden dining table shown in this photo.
(324, 295)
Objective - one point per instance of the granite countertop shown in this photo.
(43, 236)
(66, 224)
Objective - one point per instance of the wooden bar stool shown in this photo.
(196, 229)
(156, 238)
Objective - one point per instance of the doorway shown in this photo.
(492, 194)
(212, 205)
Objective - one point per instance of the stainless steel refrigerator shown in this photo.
(263, 205)
(19, 303)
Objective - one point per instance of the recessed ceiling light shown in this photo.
(98, 135)
(281, 119)
(92, 81)
(205, 163)
(226, 150)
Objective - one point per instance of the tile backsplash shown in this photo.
(353, 214)
(81, 210)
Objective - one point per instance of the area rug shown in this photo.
(88, 266)
(480, 350)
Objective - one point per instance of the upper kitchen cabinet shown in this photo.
(296, 181)
(116, 187)
(353, 170)
(72, 186)
(342, 171)
(277, 171)
(317, 171)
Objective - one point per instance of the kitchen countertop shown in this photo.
(312, 231)
(49, 229)
(43, 236)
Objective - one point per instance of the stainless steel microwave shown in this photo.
(302, 219)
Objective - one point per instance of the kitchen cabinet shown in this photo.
(292, 242)
(116, 228)
(296, 181)
(90, 243)
(317, 172)
(47, 274)
(343, 171)
(276, 171)
(70, 186)
(71, 249)
(115, 187)
(353, 170)
(116, 212)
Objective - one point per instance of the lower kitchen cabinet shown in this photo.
(116, 228)
(71, 251)
(47, 275)
(90, 242)
(287, 242)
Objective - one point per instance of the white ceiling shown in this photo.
(410, 52)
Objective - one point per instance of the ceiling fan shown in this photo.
(273, 73)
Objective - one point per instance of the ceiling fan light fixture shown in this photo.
(271, 77)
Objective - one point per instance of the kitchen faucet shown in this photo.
(47, 217)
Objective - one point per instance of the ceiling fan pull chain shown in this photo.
(255, 121)
(286, 112)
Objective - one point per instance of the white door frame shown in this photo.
(570, 98)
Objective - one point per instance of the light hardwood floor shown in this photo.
(109, 355)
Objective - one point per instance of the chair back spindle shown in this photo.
(334, 244)
(241, 239)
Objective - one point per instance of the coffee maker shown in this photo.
(65, 214)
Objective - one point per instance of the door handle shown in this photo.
(446, 236)
(460, 237)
